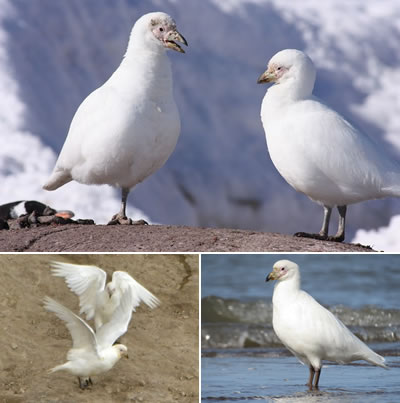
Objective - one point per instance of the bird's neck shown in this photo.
(284, 93)
(111, 355)
(289, 91)
(285, 290)
(137, 50)
(150, 69)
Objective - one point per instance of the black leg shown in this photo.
(325, 223)
(339, 237)
(120, 217)
(310, 379)
(317, 375)
(84, 382)
(323, 233)
(124, 198)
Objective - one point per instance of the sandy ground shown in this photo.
(159, 238)
(163, 343)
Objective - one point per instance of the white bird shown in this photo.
(96, 299)
(126, 130)
(310, 331)
(92, 353)
(315, 149)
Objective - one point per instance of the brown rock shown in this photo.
(159, 238)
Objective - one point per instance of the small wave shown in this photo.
(230, 323)
(215, 309)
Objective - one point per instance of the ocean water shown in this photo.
(242, 359)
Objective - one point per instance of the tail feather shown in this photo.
(57, 179)
(376, 359)
(57, 368)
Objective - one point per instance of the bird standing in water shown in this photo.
(310, 331)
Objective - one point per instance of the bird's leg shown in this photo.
(323, 233)
(339, 237)
(310, 379)
(120, 217)
(82, 384)
(317, 375)
(325, 223)
(122, 212)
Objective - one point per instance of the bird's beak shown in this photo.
(267, 77)
(173, 37)
(126, 355)
(271, 276)
(65, 214)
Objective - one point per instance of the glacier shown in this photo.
(53, 54)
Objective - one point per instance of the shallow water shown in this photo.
(242, 378)
(242, 359)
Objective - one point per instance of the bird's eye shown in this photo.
(279, 68)
(283, 269)
(161, 29)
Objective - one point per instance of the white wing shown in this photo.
(118, 324)
(85, 281)
(123, 282)
(82, 334)
(310, 330)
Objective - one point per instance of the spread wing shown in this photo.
(118, 324)
(82, 334)
(85, 281)
(123, 282)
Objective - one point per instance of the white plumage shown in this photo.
(98, 300)
(310, 331)
(315, 149)
(125, 130)
(92, 353)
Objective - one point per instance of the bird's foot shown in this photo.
(336, 238)
(140, 222)
(84, 382)
(312, 236)
(118, 219)
(312, 388)
(115, 220)
(320, 237)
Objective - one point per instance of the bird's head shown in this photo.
(122, 350)
(160, 29)
(283, 270)
(290, 65)
(110, 288)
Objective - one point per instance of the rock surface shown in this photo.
(159, 238)
(163, 343)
